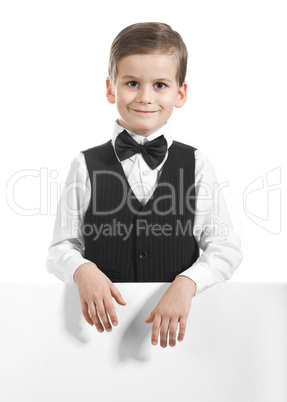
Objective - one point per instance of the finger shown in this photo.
(182, 328)
(103, 315)
(164, 332)
(172, 332)
(117, 295)
(155, 330)
(85, 311)
(94, 316)
(110, 309)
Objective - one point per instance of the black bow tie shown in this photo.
(153, 151)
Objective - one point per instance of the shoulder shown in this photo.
(97, 149)
(98, 155)
(77, 172)
(204, 168)
(78, 163)
(183, 147)
(201, 159)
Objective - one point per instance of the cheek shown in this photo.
(168, 102)
(123, 98)
(168, 105)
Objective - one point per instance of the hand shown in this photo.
(173, 308)
(96, 291)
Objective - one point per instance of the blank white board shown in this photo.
(234, 349)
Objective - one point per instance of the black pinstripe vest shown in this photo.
(130, 242)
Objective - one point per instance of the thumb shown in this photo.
(117, 295)
(150, 318)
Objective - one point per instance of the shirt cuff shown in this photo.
(68, 267)
(198, 273)
(84, 261)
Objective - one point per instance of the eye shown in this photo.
(132, 84)
(160, 85)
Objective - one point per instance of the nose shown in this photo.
(145, 95)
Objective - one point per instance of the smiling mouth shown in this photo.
(147, 112)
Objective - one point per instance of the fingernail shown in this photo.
(154, 342)
(115, 323)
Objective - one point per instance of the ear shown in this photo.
(110, 93)
(181, 97)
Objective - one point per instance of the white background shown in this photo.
(54, 58)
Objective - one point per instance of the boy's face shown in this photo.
(146, 91)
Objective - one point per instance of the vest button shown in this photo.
(142, 223)
(143, 255)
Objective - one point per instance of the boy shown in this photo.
(135, 211)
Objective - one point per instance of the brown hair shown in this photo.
(147, 38)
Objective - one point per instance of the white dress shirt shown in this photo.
(221, 250)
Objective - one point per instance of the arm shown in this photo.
(65, 258)
(67, 247)
(221, 255)
(221, 249)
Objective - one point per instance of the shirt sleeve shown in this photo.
(66, 250)
(220, 246)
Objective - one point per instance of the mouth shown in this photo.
(145, 112)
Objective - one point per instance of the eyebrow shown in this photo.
(131, 77)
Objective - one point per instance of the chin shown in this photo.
(147, 128)
(145, 131)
